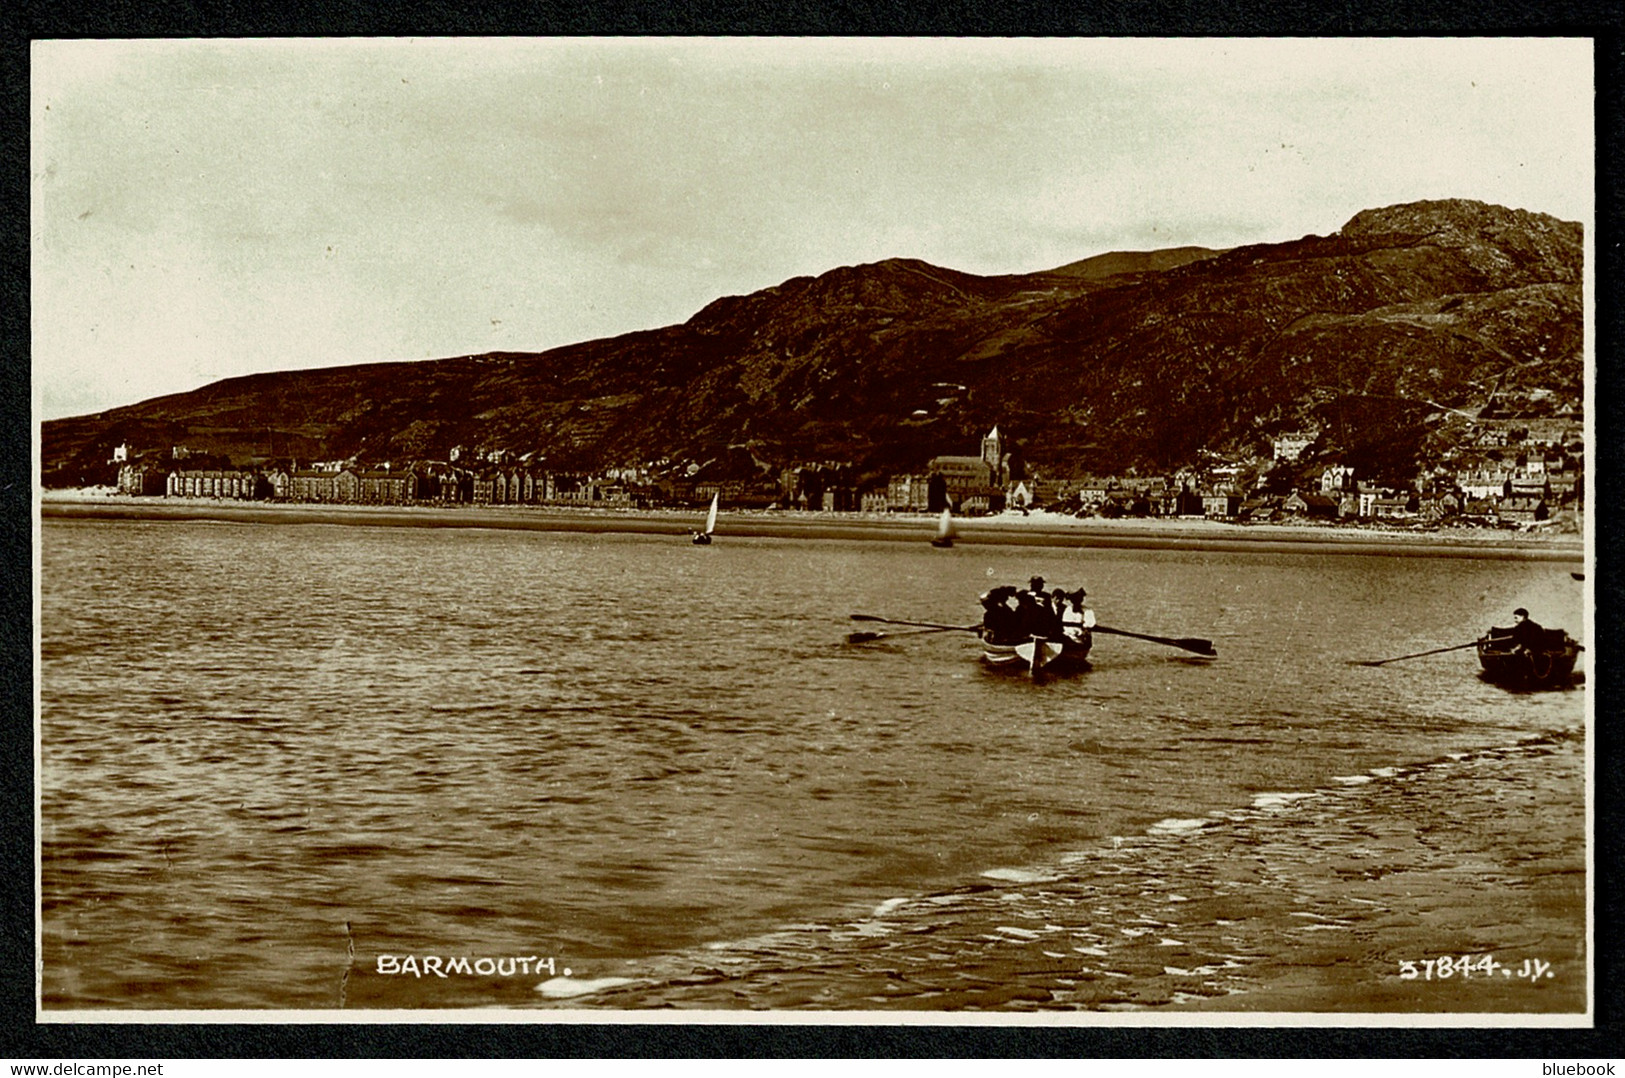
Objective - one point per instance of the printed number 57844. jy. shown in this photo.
(1468, 966)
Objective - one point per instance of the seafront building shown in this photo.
(1526, 478)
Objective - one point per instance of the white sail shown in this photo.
(711, 517)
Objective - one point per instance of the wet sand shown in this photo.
(1306, 903)
(1037, 529)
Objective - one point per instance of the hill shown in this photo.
(1114, 263)
(1135, 360)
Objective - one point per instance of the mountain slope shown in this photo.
(1124, 361)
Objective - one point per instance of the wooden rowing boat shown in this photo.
(1548, 665)
(1039, 656)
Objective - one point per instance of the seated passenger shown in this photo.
(1000, 624)
(1078, 616)
(1054, 606)
(1030, 617)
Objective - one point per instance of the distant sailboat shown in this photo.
(945, 530)
(703, 538)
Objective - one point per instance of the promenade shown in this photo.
(1034, 529)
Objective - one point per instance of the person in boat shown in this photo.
(1035, 616)
(1527, 633)
(1054, 626)
(1030, 619)
(1048, 613)
(1077, 616)
(1000, 624)
(1060, 602)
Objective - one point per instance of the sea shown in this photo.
(329, 767)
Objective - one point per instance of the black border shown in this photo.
(23, 1040)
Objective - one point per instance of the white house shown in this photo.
(1290, 447)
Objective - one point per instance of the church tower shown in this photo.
(993, 454)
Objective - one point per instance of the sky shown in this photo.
(208, 208)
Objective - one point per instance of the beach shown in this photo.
(1037, 528)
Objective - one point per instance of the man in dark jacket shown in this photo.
(1526, 633)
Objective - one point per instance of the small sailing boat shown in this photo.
(703, 538)
(945, 530)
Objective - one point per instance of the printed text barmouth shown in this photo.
(446, 966)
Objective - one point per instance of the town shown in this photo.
(1521, 472)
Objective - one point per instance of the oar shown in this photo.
(866, 637)
(1189, 643)
(1415, 655)
(921, 624)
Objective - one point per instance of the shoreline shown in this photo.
(1037, 529)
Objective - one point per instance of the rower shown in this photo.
(1526, 633)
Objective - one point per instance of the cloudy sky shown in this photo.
(202, 209)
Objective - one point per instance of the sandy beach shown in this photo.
(1036, 528)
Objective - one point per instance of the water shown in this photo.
(271, 754)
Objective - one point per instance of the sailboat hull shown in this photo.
(703, 538)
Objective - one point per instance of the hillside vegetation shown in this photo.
(1123, 361)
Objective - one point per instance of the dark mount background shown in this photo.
(1126, 361)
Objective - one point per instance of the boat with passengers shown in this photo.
(1041, 633)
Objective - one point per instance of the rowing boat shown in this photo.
(1039, 656)
(1547, 665)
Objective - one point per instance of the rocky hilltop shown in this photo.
(1131, 360)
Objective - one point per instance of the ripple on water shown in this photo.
(654, 751)
(1169, 917)
(1269, 801)
(1178, 826)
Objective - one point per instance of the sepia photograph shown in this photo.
(1032, 531)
